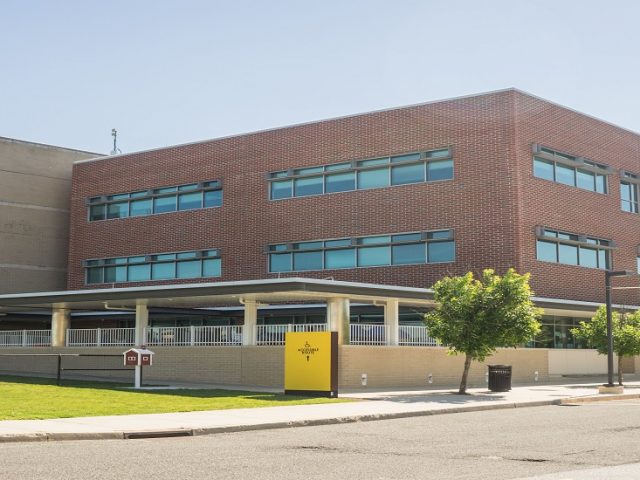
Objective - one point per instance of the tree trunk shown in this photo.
(619, 369)
(465, 374)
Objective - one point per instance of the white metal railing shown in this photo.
(25, 338)
(100, 337)
(274, 334)
(415, 335)
(193, 336)
(368, 334)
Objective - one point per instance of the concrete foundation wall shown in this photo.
(578, 362)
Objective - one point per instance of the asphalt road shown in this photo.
(501, 444)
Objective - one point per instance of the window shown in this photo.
(430, 166)
(401, 249)
(569, 170)
(572, 249)
(629, 192)
(555, 332)
(164, 266)
(160, 200)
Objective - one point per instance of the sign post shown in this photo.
(138, 357)
(311, 364)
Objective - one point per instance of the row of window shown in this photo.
(569, 170)
(160, 200)
(417, 167)
(165, 266)
(403, 249)
(571, 249)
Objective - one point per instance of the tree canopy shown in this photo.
(477, 316)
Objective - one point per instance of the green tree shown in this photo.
(477, 316)
(626, 334)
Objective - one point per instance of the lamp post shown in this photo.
(608, 274)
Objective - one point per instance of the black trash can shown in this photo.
(499, 378)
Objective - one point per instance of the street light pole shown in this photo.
(607, 285)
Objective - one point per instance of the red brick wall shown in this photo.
(493, 203)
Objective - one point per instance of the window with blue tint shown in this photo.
(189, 269)
(415, 167)
(570, 170)
(160, 200)
(212, 198)
(376, 178)
(442, 170)
(441, 252)
(543, 169)
(211, 267)
(371, 251)
(189, 201)
(164, 266)
(340, 182)
(280, 262)
(281, 189)
(163, 271)
(401, 174)
(629, 196)
(139, 272)
(118, 210)
(307, 186)
(547, 251)
(340, 258)
(164, 204)
(572, 249)
(565, 175)
(405, 254)
(141, 207)
(374, 256)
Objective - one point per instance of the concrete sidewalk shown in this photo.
(367, 405)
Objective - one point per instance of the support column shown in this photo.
(249, 333)
(391, 320)
(142, 322)
(59, 326)
(338, 312)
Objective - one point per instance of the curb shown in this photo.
(143, 434)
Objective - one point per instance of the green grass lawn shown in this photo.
(24, 398)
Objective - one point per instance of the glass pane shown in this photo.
(340, 182)
(189, 201)
(344, 258)
(138, 273)
(121, 196)
(372, 256)
(568, 254)
(212, 198)
(138, 194)
(281, 189)
(94, 275)
(407, 174)
(97, 212)
(407, 237)
(588, 257)
(307, 245)
(115, 274)
(405, 158)
(337, 166)
(438, 153)
(118, 210)
(307, 261)
(183, 255)
(375, 161)
(440, 170)
(343, 242)
(164, 204)
(189, 269)
(441, 252)
(603, 259)
(140, 259)
(543, 168)
(166, 256)
(586, 180)
(166, 190)
(308, 171)
(404, 254)
(440, 234)
(374, 240)
(161, 271)
(278, 248)
(191, 186)
(547, 251)
(565, 175)
(373, 178)
(307, 186)
(212, 267)
(601, 184)
(280, 262)
(141, 207)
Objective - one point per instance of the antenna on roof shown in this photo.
(116, 150)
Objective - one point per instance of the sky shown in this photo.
(166, 72)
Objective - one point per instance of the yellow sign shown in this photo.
(311, 363)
